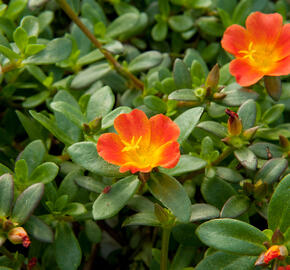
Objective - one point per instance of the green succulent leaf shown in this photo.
(85, 154)
(145, 61)
(6, 194)
(279, 206)
(235, 206)
(216, 191)
(110, 203)
(272, 170)
(67, 248)
(186, 164)
(226, 261)
(187, 122)
(56, 50)
(143, 219)
(247, 113)
(27, 202)
(39, 229)
(203, 211)
(172, 194)
(246, 157)
(234, 236)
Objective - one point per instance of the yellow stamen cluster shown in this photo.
(132, 145)
(249, 53)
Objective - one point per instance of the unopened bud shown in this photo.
(234, 123)
(213, 77)
(284, 142)
(277, 237)
(273, 87)
(250, 132)
(19, 236)
(93, 126)
(248, 187)
(96, 124)
(31, 263)
(86, 128)
(219, 95)
(260, 190)
(160, 213)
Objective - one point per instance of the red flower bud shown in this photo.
(284, 267)
(32, 262)
(19, 236)
(279, 252)
(234, 123)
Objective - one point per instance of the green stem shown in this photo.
(222, 156)
(276, 264)
(7, 253)
(227, 151)
(164, 248)
(74, 17)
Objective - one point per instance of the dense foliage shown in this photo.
(74, 71)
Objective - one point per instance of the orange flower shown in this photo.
(274, 252)
(141, 143)
(263, 48)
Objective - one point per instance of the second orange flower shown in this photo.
(263, 48)
(141, 143)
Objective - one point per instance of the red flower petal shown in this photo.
(235, 39)
(284, 267)
(163, 130)
(134, 124)
(264, 28)
(110, 147)
(245, 73)
(283, 43)
(282, 67)
(168, 155)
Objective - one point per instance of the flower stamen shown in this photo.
(132, 146)
(248, 53)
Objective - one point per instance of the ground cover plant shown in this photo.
(144, 134)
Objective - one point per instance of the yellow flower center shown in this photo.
(249, 53)
(261, 56)
(131, 146)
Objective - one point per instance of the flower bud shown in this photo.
(273, 87)
(260, 190)
(284, 142)
(277, 237)
(31, 263)
(284, 267)
(250, 132)
(219, 95)
(18, 235)
(279, 252)
(213, 77)
(161, 214)
(234, 123)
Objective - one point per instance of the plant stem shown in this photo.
(223, 155)
(8, 67)
(164, 248)
(74, 17)
(7, 253)
(276, 264)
